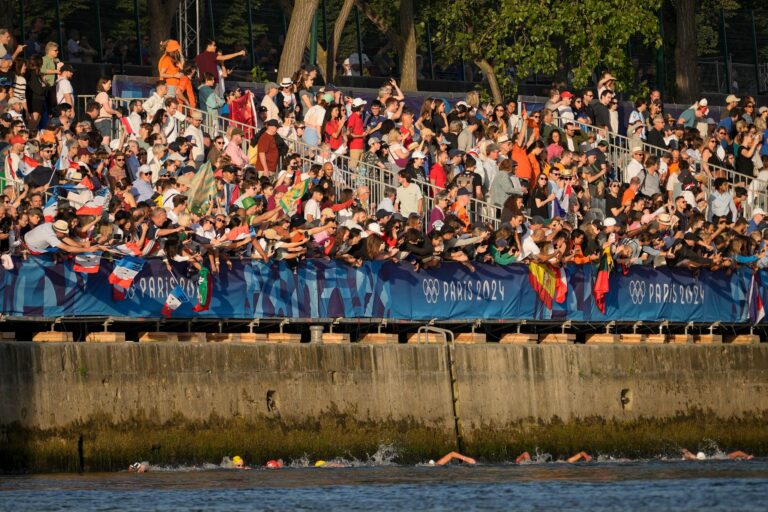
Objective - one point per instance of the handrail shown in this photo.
(619, 151)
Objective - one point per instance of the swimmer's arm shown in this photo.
(454, 455)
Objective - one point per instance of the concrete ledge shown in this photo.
(471, 337)
(335, 338)
(602, 338)
(237, 337)
(680, 339)
(707, 339)
(743, 339)
(380, 338)
(556, 338)
(519, 338)
(53, 337)
(7, 336)
(105, 337)
(425, 337)
(158, 337)
(283, 337)
(192, 337)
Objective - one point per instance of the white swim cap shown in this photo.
(431, 462)
(701, 456)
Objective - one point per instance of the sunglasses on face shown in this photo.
(119, 159)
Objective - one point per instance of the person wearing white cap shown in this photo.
(356, 133)
(694, 114)
(287, 100)
(756, 222)
(268, 101)
(635, 166)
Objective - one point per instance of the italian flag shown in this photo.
(204, 291)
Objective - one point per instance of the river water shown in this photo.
(657, 485)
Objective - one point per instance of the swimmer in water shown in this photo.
(239, 463)
(579, 456)
(523, 457)
(274, 464)
(454, 456)
(324, 464)
(737, 455)
(138, 467)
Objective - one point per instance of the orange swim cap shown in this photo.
(274, 464)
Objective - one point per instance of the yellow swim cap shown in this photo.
(237, 459)
(319, 463)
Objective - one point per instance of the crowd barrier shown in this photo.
(43, 288)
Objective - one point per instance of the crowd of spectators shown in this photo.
(469, 182)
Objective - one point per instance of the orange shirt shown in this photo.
(628, 196)
(166, 67)
(524, 170)
(535, 166)
(188, 96)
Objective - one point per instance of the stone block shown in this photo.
(158, 337)
(556, 338)
(707, 339)
(53, 337)
(192, 337)
(335, 338)
(743, 339)
(7, 336)
(602, 338)
(471, 337)
(680, 339)
(283, 337)
(656, 339)
(515, 338)
(425, 337)
(237, 337)
(105, 337)
(380, 338)
(632, 339)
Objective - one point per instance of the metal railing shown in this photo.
(619, 153)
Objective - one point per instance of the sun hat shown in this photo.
(61, 226)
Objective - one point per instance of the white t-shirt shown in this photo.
(634, 168)
(42, 238)
(63, 86)
(315, 116)
(529, 246)
(312, 208)
(409, 198)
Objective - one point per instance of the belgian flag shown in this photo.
(602, 282)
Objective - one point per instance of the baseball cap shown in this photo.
(14, 101)
(174, 146)
(358, 102)
(271, 122)
(463, 192)
(732, 99)
(454, 153)
(418, 154)
(373, 140)
(17, 140)
(8, 118)
(67, 67)
(610, 221)
(566, 94)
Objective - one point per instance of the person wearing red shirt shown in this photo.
(437, 174)
(356, 133)
(267, 150)
(333, 126)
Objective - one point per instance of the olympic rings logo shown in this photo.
(637, 291)
(431, 288)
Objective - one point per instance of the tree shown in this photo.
(160, 16)
(404, 38)
(686, 51)
(335, 38)
(498, 35)
(234, 26)
(296, 38)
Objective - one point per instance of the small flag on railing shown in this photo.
(756, 306)
(204, 291)
(123, 275)
(93, 207)
(127, 126)
(51, 208)
(87, 262)
(176, 298)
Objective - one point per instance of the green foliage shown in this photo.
(259, 75)
(233, 28)
(547, 36)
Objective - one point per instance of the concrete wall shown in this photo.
(333, 398)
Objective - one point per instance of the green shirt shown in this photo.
(49, 64)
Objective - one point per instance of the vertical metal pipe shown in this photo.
(100, 46)
(429, 49)
(138, 30)
(724, 37)
(755, 55)
(251, 50)
(661, 63)
(359, 40)
(313, 42)
(58, 28)
(210, 16)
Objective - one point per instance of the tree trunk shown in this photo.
(160, 18)
(407, 49)
(490, 74)
(338, 28)
(296, 38)
(686, 52)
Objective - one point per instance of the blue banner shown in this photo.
(42, 287)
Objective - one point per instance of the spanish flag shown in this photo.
(544, 282)
(602, 282)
